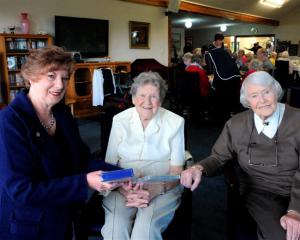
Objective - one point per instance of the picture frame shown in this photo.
(139, 35)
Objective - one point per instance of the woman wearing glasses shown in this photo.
(266, 142)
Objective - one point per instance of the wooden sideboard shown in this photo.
(79, 89)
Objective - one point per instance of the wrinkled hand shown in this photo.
(291, 223)
(191, 177)
(135, 195)
(153, 189)
(94, 182)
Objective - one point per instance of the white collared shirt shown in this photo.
(148, 151)
(273, 122)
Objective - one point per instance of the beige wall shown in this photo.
(41, 14)
(289, 29)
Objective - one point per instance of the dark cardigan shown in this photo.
(234, 142)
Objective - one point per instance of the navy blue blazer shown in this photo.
(37, 196)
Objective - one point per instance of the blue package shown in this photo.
(117, 175)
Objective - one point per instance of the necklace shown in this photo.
(51, 122)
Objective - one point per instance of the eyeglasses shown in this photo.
(251, 147)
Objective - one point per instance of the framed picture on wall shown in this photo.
(139, 35)
(176, 41)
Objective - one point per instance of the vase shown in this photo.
(25, 23)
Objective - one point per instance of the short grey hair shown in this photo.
(152, 78)
(261, 78)
(256, 65)
(187, 55)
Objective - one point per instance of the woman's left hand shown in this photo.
(154, 190)
(291, 223)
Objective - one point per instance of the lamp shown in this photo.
(188, 23)
(223, 28)
(273, 3)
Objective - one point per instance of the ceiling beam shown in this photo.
(216, 12)
(210, 11)
(159, 3)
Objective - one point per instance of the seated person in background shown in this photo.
(195, 66)
(249, 57)
(266, 142)
(273, 57)
(197, 51)
(44, 175)
(187, 58)
(149, 139)
(284, 56)
(241, 59)
(262, 55)
(254, 66)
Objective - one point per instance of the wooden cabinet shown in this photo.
(79, 89)
(13, 51)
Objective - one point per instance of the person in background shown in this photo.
(195, 66)
(218, 41)
(262, 55)
(241, 59)
(273, 58)
(255, 48)
(197, 51)
(46, 169)
(254, 66)
(269, 48)
(149, 139)
(187, 47)
(265, 140)
(249, 58)
(187, 58)
(226, 80)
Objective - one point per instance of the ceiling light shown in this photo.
(223, 28)
(188, 23)
(273, 3)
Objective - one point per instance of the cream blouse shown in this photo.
(148, 151)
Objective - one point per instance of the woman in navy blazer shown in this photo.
(44, 173)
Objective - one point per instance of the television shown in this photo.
(85, 35)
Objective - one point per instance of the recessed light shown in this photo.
(273, 3)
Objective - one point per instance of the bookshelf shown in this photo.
(13, 51)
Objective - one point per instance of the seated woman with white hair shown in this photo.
(149, 139)
(266, 142)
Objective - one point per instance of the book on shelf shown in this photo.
(12, 63)
(19, 79)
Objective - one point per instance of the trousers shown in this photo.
(127, 223)
(266, 209)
